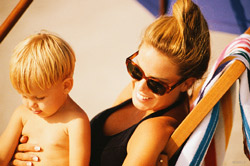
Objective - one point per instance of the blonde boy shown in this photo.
(41, 70)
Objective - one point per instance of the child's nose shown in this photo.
(33, 104)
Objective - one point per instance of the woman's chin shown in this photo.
(142, 104)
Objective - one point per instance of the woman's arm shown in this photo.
(79, 141)
(148, 141)
(162, 160)
(10, 136)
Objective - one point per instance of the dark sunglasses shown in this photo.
(157, 86)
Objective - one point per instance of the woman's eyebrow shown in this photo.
(164, 80)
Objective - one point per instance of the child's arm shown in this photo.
(79, 141)
(10, 136)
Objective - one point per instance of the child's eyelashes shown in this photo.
(34, 98)
(39, 98)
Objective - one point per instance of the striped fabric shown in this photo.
(208, 143)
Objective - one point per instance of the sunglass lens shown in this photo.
(137, 74)
(156, 87)
(134, 71)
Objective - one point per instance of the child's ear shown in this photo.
(68, 85)
(187, 84)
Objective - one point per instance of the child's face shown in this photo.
(45, 102)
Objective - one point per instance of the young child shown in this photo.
(41, 70)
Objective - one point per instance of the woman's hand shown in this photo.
(162, 160)
(21, 158)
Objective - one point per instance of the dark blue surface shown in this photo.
(232, 16)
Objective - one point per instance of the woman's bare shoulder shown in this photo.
(163, 126)
(150, 138)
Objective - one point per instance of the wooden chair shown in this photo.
(188, 125)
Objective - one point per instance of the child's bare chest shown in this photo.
(43, 132)
(51, 137)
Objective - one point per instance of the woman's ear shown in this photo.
(187, 84)
(68, 85)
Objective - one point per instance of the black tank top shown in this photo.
(112, 150)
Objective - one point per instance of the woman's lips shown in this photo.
(142, 97)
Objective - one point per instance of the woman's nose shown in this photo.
(142, 85)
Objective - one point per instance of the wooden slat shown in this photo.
(247, 31)
(163, 8)
(13, 17)
(189, 124)
(203, 107)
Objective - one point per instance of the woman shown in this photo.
(173, 54)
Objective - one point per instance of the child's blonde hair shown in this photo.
(40, 61)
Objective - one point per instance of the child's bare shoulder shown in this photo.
(21, 112)
(74, 112)
(77, 120)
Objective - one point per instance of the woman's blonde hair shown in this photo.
(40, 61)
(184, 37)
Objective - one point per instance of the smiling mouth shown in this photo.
(141, 97)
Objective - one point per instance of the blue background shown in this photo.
(231, 16)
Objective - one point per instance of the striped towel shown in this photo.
(208, 143)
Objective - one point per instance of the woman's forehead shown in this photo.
(155, 64)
